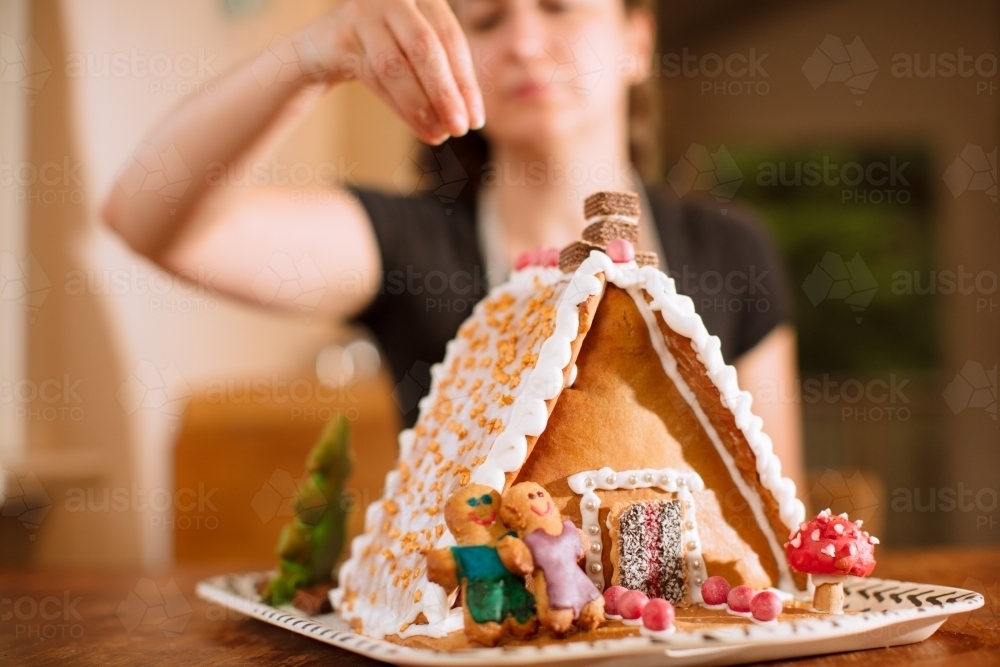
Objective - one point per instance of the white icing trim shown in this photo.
(587, 483)
(657, 634)
(529, 417)
(572, 376)
(749, 494)
(773, 621)
(632, 219)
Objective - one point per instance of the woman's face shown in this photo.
(549, 69)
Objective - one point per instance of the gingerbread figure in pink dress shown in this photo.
(564, 594)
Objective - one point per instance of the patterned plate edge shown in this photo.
(882, 603)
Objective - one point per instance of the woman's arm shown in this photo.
(769, 371)
(413, 55)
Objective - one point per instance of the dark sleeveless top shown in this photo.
(433, 274)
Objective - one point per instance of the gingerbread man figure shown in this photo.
(564, 594)
(494, 600)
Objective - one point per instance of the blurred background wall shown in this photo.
(124, 383)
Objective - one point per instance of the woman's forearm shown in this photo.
(249, 107)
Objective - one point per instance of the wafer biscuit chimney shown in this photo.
(613, 217)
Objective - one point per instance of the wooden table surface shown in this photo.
(50, 617)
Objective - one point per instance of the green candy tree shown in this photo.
(311, 543)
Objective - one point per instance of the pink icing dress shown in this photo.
(556, 556)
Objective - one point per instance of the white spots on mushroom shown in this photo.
(828, 551)
(815, 535)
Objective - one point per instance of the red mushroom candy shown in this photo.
(830, 547)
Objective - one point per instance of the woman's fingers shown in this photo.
(387, 73)
(430, 63)
(444, 22)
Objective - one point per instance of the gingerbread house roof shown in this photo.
(491, 398)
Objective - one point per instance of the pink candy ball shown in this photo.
(549, 257)
(537, 257)
(631, 604)
(620, 250)
(715, 590)
(525, 259)
(739, 598)
(611, 598)
(765, 606)
(658, 615)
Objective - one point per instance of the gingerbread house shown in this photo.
(598, 380)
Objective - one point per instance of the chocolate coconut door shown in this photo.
(647, 548)
(653, 544)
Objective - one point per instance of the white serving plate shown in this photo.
(891, 613)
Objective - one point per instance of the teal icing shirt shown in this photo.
(492, 591)
(479, 562)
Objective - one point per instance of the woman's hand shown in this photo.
(413, 54)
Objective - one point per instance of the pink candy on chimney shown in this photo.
(537, 257)
(831, 544)
(620, 251)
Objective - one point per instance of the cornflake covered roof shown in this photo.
(487, 398)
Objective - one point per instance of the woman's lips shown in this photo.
(528, 90)
(483, 522)
(548, 508)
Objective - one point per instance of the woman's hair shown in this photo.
(472, 151)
